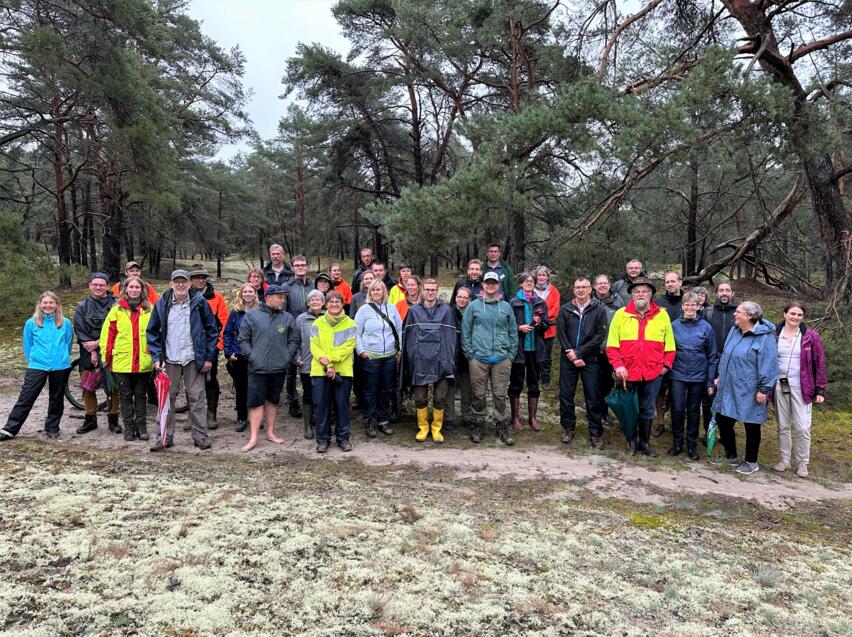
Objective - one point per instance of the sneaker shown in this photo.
(345, 445)
(322, 446)
(781, 466)
(801, 470)
(747, 468)
(55, 434)
(568, 437)
(385, 428)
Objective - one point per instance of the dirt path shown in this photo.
(605, 477)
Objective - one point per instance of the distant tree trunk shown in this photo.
(90, 226)
(76, 250)
(517, 240)
(219, 237)
(692, 221)
(62, 234)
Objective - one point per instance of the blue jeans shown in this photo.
(686, 402)
(378, 385)
(326, 391)
(647, 391)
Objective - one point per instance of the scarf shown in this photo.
(542, 287)
(529, 337)
(334, 320)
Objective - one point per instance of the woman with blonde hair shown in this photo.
(378, 346)
(245, 300)
(125, 350)
(48, 337)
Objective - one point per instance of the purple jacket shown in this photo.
(814, 374)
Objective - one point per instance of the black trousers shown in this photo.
(133, 392)
(211, 384)
(531, 369)
(605, 383)
(238, 370)
(569, 375)
(686, 404)
(292, 392)
(34, 381)
(548, 360)
(729, 437)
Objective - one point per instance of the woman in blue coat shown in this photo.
(692, 374)
(48, 337)
(747, 372)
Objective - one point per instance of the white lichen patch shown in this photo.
(81, 553)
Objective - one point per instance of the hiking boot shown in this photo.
(781, 466)
(90, 423)
(112, 424)
(747, 468)
(143, 433)
(129, 433)
(515, 403)
(322, 446)
(241, 426)
(674, 450)
(157, 446)
(596, 442)
(212, 423)
(202, 444)
(801, 470)
(53, 435)
(370, 427)
(476, 432)
(385, 428)
(503, 434)
(568, 437)
(345, 445)
(308, 420)
(169, 443)
(532, 410)
(692, 454)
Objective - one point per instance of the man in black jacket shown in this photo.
(581, 327)
(88, 320)
(670, 301)
(277, 271)
(721, 318)
(473, 281)
(367, 257)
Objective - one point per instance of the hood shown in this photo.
(764, 327)
(208, 291)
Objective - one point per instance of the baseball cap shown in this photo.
(491, 276)
(180, 274)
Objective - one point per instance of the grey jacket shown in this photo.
(269, 340)
(303, 324)
(297, 295)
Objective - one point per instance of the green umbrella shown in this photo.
(624, 403)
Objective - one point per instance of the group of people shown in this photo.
(389, 340)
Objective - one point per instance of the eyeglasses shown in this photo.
(582, 287)
(300, 265)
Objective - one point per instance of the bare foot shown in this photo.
(271, 437)
(250, 444)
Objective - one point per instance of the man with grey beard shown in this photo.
(641, 349)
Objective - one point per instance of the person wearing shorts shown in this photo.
(269, 341)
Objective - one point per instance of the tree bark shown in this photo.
(62, 234)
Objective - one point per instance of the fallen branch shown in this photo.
(781, 212)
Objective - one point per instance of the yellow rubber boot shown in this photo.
(437, 421)
(423, 423)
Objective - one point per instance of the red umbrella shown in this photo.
(162, 383)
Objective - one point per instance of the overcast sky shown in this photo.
(267, 32)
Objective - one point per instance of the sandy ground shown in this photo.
(605, 477)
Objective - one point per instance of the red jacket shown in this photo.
(643, 345)
(554, 302)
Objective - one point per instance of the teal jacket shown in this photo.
(489, 331)
(48, 348)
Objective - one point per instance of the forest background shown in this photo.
(711, 137)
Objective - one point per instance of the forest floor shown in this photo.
(98, 536)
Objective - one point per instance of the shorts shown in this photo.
(265, 388)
